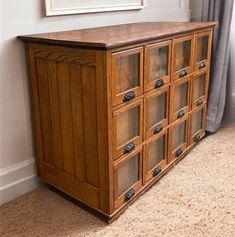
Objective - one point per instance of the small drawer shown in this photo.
(127, 75)
(180, 98)
(127, 177)
(200, 82)
(182, 64)
(155, 155)
(197, 124)
(178, 138)
(202, 50)
(127, 128)
(156, 111)
(157, 62)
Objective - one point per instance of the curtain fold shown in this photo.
(221, 11)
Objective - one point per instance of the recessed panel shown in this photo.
(202, 48)
(196, 122)
(199, 87)
(178, 135)
(180, 96)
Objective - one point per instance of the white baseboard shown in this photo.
(17, 180)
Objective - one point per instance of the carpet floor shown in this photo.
(196, 198)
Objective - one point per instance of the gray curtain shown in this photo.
(221, 11)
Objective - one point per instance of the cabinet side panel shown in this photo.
(70, 116)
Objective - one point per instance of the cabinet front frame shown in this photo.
(148, 174)
(118, 98)
(206, 61)
(119, 150)
(201, 132)
(150, 84)
(120, 200)
(186, 109)
(189, 69)
(183, 146)
(150, 131)
(206, 85)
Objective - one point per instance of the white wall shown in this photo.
(17, 172)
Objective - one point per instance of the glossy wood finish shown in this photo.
(96, 141)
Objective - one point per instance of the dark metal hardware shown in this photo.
(181, 114)
(157, 171)
(199, 102)
(183, 73)
(159, 83)
(178, 152)
(129, 148)
(158, 129)
(202, 65)
(197, 138)
(129, 96)
(129, 194)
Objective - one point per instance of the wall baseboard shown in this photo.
(17, 180)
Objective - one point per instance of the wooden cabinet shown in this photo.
(114, 108)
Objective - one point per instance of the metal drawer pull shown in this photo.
(199, 102)
(183, 73)
(202, 65)
(178, 152)
(129, 96)
(197, 138)
(129, 194)
(129, 148)
(181, 114)
(157, 171)
(159, 83)
(158, 129)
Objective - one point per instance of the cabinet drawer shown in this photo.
(202, 50)
(180, 98)
(199, 88)
(127, 177)
(156, 111)
(155, 155)
(127, 75)
(157, 64)
(178, 138)
(127, 128)
(182, 64)
(197, 124)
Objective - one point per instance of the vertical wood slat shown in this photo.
(63, 76)
(90, 124)
(44, 98)
(55, 114)
(77, 98)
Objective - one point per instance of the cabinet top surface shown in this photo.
(117, 35)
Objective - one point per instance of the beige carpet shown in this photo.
(197, 198)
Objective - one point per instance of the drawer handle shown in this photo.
(157, 171)
(202, 65)
(181, 114)
(129, 194)
(178, 152)
(199, 102)
(129, 96)
(129, 148)
(159, 83)
(183, 73)
(158, 129)
(197, 138)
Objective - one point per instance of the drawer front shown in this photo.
(157, 64)
(202, 50)
(155, 155)
(127, 75)
(127, 177)
(127, 128)
(182, 64)
(180, 98)
(156, 111)
(197, 124)
(178, 138)
(200, 81)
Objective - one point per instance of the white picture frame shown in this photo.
(65, 7)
